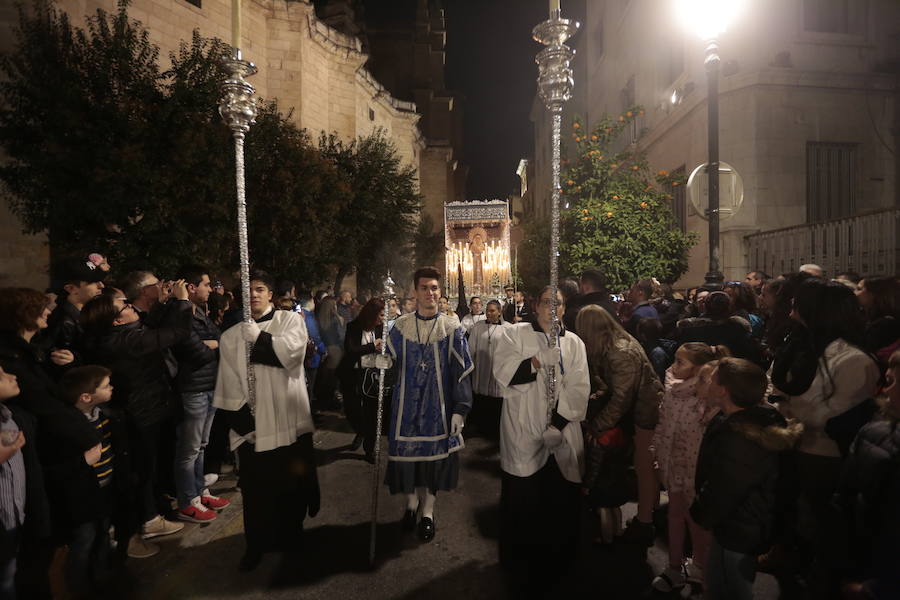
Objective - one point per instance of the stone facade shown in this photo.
(793, 75)
(314, 71)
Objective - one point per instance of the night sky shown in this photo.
(490, 60)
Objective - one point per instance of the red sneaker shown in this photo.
(214, 502)
(196, 513)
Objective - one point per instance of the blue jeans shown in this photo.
(88, 556)
(192, 436)
(728, 575)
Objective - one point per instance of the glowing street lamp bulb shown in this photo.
(708, 18)
(674, 98)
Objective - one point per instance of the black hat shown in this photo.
(73, 270)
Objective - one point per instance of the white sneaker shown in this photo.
(668, 581)
(158, 526)
(693, 573)
(209, 479)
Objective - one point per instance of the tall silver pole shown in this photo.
(376, 479)
(555, 83)
(238, 109)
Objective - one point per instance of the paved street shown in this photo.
(461, 563)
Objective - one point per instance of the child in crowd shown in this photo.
(676, 444)
(870, 493)
(736, 478)
(80, 474)
(12, 486)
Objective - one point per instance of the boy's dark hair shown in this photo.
(260, 275)
(192, 274)
(649, 331)
(284, 287)
(425, 273)
(745, 382)
(81, 380)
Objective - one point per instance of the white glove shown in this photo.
(553, 438)
(383, 361)
(250, 331)
(549, 357)
(457, 422)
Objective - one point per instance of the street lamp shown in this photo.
(709, 19)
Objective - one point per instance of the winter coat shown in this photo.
(578, 302)
(737, 476)
(845, 377)
(732, 333)
(633, 391)
(870, 493)
(37, 525)
(134, 352)
(71, 482)
(29, 364)
(197, 363)
(677, 439)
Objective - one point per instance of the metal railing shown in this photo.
(866, 243)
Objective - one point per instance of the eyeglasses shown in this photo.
(124, 306)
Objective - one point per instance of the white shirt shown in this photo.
(282, 405)
(483, 340)
(524, 417)
(367, 360)
(469, 320)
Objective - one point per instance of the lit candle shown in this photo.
(236, 24)
(554, 6)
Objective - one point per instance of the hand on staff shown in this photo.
(549, 357)
(61, 358)
(250, 331)
(378, 344)
(383, 362)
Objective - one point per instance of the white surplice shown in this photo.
(524, 417)
(282, 404)
(483, 340)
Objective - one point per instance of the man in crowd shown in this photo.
(143, 290)
(345, 306)
(79, 281)
(198, 362)
(757, 279)
(592, 288)
(475, 313)
(814, 270)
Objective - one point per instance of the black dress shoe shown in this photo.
(250, 560)
(356, 443)
(426, 529)
(409, 520)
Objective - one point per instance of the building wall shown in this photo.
(315, 72)
(781, 87)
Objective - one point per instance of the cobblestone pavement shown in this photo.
(200, 563)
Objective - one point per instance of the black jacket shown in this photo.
(601, 299)
(71, 482)
(737, 477)
(37, 525)
(197, 363)
(725, 332)
(134, 352)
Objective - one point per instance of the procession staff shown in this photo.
(432, 397)
(273, 435)
(541, 455)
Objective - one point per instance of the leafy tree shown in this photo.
(374, 232)
(534, 256)
(617, 219)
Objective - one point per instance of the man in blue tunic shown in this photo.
(432, 397)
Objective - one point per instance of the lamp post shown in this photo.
(709, 19)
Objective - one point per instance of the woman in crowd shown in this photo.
(358, 375)
(745, 306)
(331, 328)
(540, 453)
(827, 381)
(879, 298)
(488, 394)
(626, 394)
(116, 338)
(718, 327)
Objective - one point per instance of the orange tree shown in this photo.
(618, 214)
